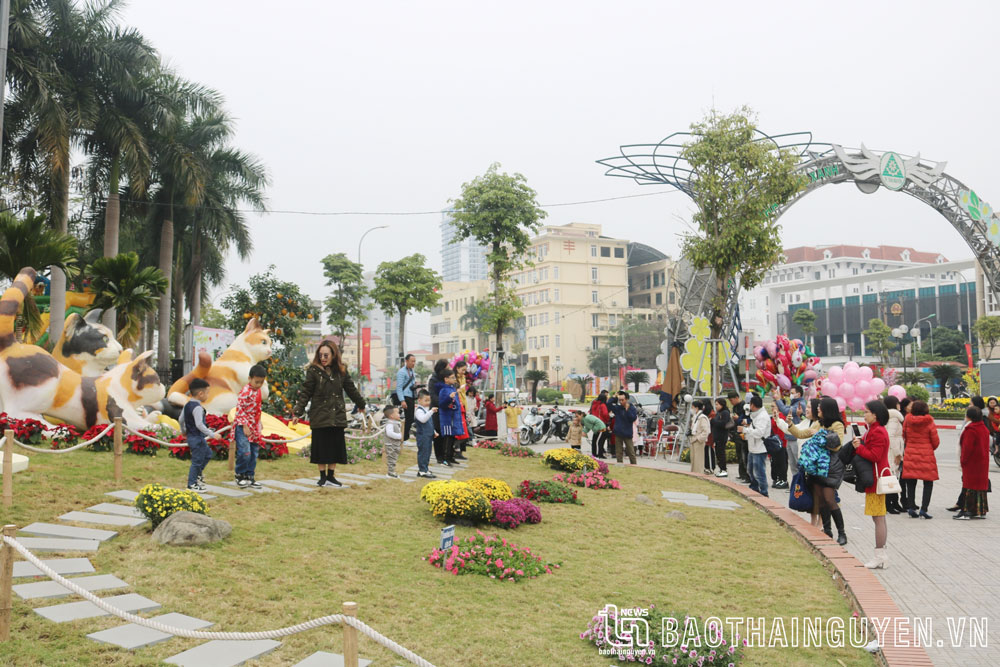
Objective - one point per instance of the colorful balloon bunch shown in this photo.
(478, 363)
(853, 385)
(783, 362)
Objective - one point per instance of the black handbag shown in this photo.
(864, 473)
(773, 445)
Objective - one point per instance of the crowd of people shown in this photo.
(813, 440)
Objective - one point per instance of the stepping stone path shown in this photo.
(60, 565)
(133, 636)
(699, 500)
(103, 519)
(50, 589)
(50, 537)
(223, 653)
(74, 611)
(263, 490)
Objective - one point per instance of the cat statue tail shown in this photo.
(11, 302)
(178, 390)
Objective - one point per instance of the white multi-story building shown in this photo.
(386, 328)
(463, 261)
(313, 329)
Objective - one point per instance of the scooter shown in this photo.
(532, 430)
(559, 424)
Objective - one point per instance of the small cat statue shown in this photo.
(33, 383)
(87, 346)
(227, 375)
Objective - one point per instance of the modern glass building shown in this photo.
(464, 261)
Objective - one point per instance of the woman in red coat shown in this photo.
(920, 439)
(875, 448)
(975, 461)
(490, 429)
(599, 408)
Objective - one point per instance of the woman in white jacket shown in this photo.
(701, 431)
(895, 430)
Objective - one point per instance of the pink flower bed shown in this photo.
(591, 479)
(512, 513)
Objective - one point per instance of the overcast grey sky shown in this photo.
(391, 106)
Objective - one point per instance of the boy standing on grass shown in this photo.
(246, 428)
(194, 427)
(424, 422)
(392, 439)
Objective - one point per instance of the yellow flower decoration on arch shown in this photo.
(697, 358)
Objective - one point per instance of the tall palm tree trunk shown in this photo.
(112, 222)
(163, 311)
(60, 221)
(402, 330)
(194, 294)
(178, 289)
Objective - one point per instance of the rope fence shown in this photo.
(351, 624)
(39, 450)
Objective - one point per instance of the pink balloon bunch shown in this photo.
(852, 385)
(783, 362)
(478, 363)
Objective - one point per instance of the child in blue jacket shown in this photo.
(450, 413)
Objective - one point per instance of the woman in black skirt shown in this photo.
(323, 390)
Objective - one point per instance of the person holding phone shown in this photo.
(625, 416)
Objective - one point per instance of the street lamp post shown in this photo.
(362, 272)
(620, 361)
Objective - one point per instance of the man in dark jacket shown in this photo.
(625, 416)
(739, 413)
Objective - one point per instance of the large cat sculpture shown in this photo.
(33, 383)
(227, 375)
(87, 346)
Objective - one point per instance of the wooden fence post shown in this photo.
(6, 578)
(232, 454)
(118, 450)
(8, 468)
(350, 636)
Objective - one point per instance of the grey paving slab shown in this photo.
(57, 544)
(60, 565)
(312, 483)
(350, 475)
(261, 490)
(285, 486)
(680, 495)
(73, 611)
(223, 653)
(103, 519)
(72, 532)
(116, 509)
(133, 636)
(708, 504)
(326, 659)
(124, 495)
(229, 493)
(50, 589)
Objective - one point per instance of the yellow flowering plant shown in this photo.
(569, 459)
(463, 504)
(158, 502)
(432, 491)
(493, 489)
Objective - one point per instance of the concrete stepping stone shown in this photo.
(118, 510)
(55, 530)
(62, 566)
(326, 659)
(401, 479)
(710, 504)
(229, 493)
(73, 611)
(57, 544)
(285, 486)
(680, 495)
(103, 519)
(124, 495)
(312, 483)
(50, 589)
(133, 636)
(352, 479)
(264, 490)
(223, 653)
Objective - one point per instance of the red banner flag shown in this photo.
(366, 352)
(968, 353)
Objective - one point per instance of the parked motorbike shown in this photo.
(558, 423)
(531, 431)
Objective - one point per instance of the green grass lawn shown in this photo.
(296, 556)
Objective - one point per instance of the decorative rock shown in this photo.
(676, 514)
(645, 500)
(191, 529)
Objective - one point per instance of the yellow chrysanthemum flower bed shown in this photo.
(158, 502)
(568, 459)
(493, 489)
(462, 502)
(433, 490)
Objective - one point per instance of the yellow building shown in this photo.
(448, 333)
(651, 280)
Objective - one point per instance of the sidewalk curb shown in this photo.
(863, 590)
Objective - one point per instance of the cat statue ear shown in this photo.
(126, 356)
(94, 316)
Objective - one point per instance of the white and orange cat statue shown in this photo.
(33, 383)
(227, 375)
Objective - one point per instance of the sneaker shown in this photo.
(332, 481)
(242, 482)
(722, 473)
(321, 481)
(962, 516)
(254, 484)
(392, 475)
(781, 485)
(459, 457)
(428, 474)
(201, 480)
(446, 464)
(197, 486)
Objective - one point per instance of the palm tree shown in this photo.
(30, 242)
(944, 373)
(132, 291)
(534, 376)
(584, 382)
(635, 377)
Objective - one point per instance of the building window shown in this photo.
(647, 281)
(447, 306)
(672, 298)
(557, 345)
(555, 272)
(659, 298)
(593, 251)
(593, 297)
(555, 295)
(612, 321)
(593, 273)
(656, 280)
(830, 273)
(594, 343)
(816, 276)
(605, 251)
(594, 320)
(620, 253)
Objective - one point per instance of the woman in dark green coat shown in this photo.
(323, 390)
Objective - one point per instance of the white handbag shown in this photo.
(887, 483)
